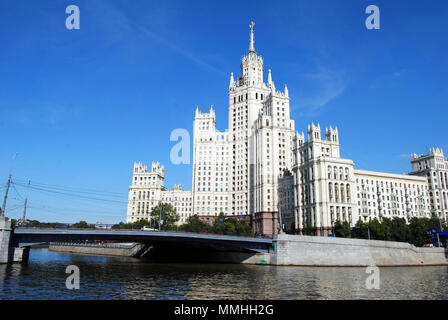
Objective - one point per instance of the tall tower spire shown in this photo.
(251, 47)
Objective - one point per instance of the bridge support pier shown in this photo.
(8, 253)
(5, 240)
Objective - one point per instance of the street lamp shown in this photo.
(280, 227)
(368, 228)
(160, 217)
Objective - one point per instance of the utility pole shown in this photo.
(24, 208)
(24, 211)
(6, 195)
(7, 187)
(160, 216)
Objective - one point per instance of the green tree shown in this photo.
(230, 225)
(360, 231)
(168, 213)
(308, 229)
(133, 225)
(242, 227)
(419, 227)
(194, 224)
(223, 225)
(435, 223)
(82, 225)
(378, 230)
(400, 230)
(342, 229)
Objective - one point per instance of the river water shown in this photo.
(102, 278)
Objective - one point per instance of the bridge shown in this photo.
(15, 243)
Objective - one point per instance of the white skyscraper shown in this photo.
(236, 172)
(259, 122)
(260, 168)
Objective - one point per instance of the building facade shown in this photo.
(328, 188)
(147, 190)
(434, 168)
(211, 176)
(324, 183)
(260, 168)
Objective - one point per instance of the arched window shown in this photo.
(330, 191)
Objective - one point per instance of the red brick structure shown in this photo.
(265, 223)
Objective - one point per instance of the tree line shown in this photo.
(167, 215)
(415, 232)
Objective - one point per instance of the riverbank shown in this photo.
(99, 249)
(293, 250)
(287, 250)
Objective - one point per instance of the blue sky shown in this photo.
(81, 106)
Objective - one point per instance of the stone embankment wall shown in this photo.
(109, 249)
(325, 251)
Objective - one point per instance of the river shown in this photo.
(103, 277)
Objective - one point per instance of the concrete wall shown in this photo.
(325, 251)
(7, 252)
(21, 254)
(5, 238)
(122, 250)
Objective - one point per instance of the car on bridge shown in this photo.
(145, 228)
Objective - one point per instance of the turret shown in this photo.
(300, 138)
(314, 132)
(332, 135)
(232, 80)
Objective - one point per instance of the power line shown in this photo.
(72, 189)
(61, 211)
(84, 196)
(71, 194)
(73, 209)
(81, 202)
(14, 208)
(17, 192)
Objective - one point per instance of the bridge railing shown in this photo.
(114, 245)
(234, 234)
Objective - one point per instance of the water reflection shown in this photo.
(127, 278)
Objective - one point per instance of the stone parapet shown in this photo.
(329, 251)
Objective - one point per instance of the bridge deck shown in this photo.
(24, 237)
